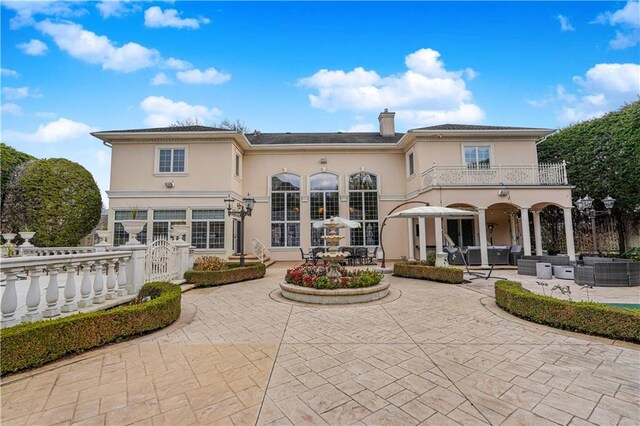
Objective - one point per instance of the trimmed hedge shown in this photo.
(31, 345)
(232, 273)
(424, 272)
(583, 317)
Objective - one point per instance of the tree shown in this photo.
(56, 198)
(224, 124)
(10, 159)
(603, 158)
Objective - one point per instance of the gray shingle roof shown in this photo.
(170, 129)
(258, 138)
(475, 127)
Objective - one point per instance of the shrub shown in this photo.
(209, 263)
(9, 160)
(232, 273)
(316, 277)
(33, 344)
(431, 258)
(632, 254)
(583, 317)
(423, 271)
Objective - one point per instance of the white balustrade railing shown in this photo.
(53, 251)
(95, 269)
(536, 174)
(258, 249)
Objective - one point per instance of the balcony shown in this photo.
(523, 175)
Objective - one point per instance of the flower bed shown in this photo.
(432, 273)
(30, 345)
(583, 317)
(316, 277)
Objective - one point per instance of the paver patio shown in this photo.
(432, 354)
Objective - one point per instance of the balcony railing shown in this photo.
(534, 175)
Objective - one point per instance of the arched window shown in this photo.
(285, 210)
(363, 208)
(324, 202)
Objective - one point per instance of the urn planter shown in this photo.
(178, 231)
(26, 236)
(133, 228)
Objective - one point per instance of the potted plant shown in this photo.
(26, 235)
(133, 226)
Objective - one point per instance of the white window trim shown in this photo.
(156, 166)
(237, 157)
(410, 153)
(364, 221)
(492, 162)
(208, 222)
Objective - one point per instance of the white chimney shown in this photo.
(387, 126)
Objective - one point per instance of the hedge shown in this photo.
(424, 272)
(31, 345)
(232, 273)
(583, 317)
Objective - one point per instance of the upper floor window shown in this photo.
(285, 210)
(238, 165)
(324, 202)
(410, 165)
(363, 208)
(477, 157)
(171, 160)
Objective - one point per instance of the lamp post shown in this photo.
(241, 212)
(585, 207)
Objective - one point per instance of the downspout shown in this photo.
(546, 137)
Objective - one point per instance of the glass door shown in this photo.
(461, 231)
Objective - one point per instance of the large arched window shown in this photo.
(363, 208)
(324, 201)
(285, 210)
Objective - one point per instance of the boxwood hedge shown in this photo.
(232, 273)
(33, 344)
(583, 317)
(424, 272)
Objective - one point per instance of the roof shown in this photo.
(475, 127)
(170, 129)
(257, 138)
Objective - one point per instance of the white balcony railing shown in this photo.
(534, 175)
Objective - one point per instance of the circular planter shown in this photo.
(339, 296)
(133, 228)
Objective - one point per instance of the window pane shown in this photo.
(317, 205)
(285, 182)
(324, 182)
(165, 161)
(316, 233)
(484, 156)
(119, 236)
(293, 206)
(293, 234)
(356, 237)
(176, 215)
(160, 230)
(355, 206)
(277, 235)
(371, 233)
(199, 235)
(332, 205)
(470, 156)
(216, 235)
(370, 206)
(207, 214)
(126, 215)
(178, 160)
(411, 164)
(277, 206)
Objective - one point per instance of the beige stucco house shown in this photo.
(182, 175)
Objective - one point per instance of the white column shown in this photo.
(410, 238)
(482, 227)
(526, 236)
(423, 238)
(514, 232)
(183, 258)
(439, 250)
(568, 231)
(537, 232)
(136, 267)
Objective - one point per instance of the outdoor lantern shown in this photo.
(609, 202)
(579, 204)
(229, 202)
(249, 201)
(587, 202)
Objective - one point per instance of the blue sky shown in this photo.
(72, 67)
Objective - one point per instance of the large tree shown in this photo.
(56, 198)
(603, 158)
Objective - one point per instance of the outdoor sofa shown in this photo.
(608, 272)
(498, 255)
(527, 264)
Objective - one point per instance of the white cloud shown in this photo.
(9, 72)
(60, 130)
(116, 9)
(628, 20)
(90, 47)
(208, 76)
(362, 128)
(34, 47)
(177, 64)
(45, 114)
(565, 25)
(162, 111)
(14, 93)
(155, 17)
(11, 109)
(160, 79)
(26, 10)
(603, 88)
(426, 93)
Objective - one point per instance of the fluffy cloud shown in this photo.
(116, 9)
(14, 93)
(426, 93)
(160, 79)
(603, 88)
(163, 112)
(627, 20)
(9, 72)
(26, 10)
(154, 17)
(11, 109)
(177, 64)
(208, 76)
(565, 25)
(34, 47)
(60, 130)
(90, 47)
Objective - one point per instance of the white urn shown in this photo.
(178, 231)
(26, 236)
(8, 237)
(102, 234)
(133, 227)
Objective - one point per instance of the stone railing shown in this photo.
(97, 276)
(533, 175)
(53, 251)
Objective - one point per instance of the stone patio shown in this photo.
(437, 354)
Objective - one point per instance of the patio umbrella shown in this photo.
(342, 223)
(432, 211)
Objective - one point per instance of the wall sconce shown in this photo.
(323, 160)
(169, 184)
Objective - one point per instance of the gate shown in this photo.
(161, 262)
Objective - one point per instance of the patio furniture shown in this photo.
(527, 265)
(361, 255)
(315, 252)
(544, 271)
(454, 257)
(498, 255)
(515, 253)
(563, 272)
(609, 274)
(305, 256)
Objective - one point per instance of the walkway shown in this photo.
(438, 354)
